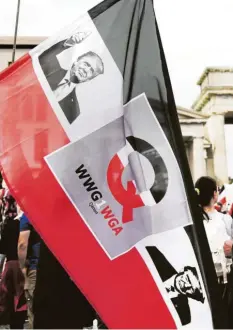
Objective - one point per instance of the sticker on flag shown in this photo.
(120, 177)
(177, 274)
(76, 63)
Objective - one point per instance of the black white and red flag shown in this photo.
(92, 150)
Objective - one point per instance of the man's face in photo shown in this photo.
(85, 68)
(187, 283)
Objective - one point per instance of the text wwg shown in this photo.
(99, 204)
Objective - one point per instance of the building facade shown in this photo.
(202, 126)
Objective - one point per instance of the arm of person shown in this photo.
(48, 59)
(25, 230)
(227, 219)
(23, 247)
(228, 245)
(50, 64)
(227, 235)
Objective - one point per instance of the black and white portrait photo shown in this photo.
(80, 78)
(179, 284)
(173, 265)
(82, 68)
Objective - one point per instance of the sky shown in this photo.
(195, 34)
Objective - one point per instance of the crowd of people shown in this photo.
(19, 249)
(35, 290)
(217, 219)
(22, 253)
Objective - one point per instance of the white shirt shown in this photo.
(227, 219)
(217, 233)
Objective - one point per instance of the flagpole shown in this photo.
(16, 31)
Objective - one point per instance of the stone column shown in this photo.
(217, 138)
(199, 163)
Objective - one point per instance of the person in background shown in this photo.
(28, 254)
(12, 300)
(58, 302)
(2, 256)
(218, 230)
(225, 201)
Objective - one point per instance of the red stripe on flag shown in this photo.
(122, 291)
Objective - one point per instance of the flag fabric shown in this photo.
(92, 151)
